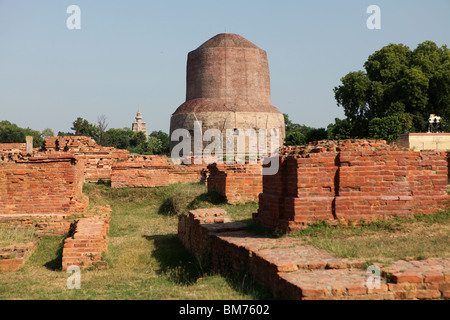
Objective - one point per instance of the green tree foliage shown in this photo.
(387, 128)
(418, 80)
(82, 127)
(341, 129)
(159, 143)
(294, 127)
(297, 134)
(295, 138)
(316, 134)
(120, 138)
(47, 133)
(12, 133)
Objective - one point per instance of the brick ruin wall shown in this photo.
(155, 171)
(41, 190)
(13, 257)
(295, 271)
(84, 248)
(98, 159)
(349, 181)
(237, 183)
(12, 147)
(448, 166)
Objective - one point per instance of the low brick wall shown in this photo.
(88, 242)
(44, 225)
(294, 271)
(154, 171)
(237, 183)
(41, 185)
(195, 229)
(349, 181)
(14, 256)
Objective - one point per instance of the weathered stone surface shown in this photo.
(292, 270)
(98, 159)
(237, 183)
(228, 87)
(155, 171)
(349, 181)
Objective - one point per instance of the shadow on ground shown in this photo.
(182, 268)
(180, 202)
(175, 261)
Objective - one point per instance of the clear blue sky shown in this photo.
(131, 53)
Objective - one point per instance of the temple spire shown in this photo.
(139, 125)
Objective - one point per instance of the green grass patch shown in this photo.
(145, 258)
(16, 234)
(419, 237)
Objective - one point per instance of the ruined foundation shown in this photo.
(351, 181)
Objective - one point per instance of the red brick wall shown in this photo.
(349, 181)
(99, 160)
(193, 231)
(238, 183)
(154, 171)
(448, 166)
(382, 184)
(6, 147)
(44, 184)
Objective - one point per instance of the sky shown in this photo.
(133, 53)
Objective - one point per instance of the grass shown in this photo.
(418, 238)
(147, 261)
(12, 234)
(145, 258)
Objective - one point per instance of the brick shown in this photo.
(406, 277)
(427, 294)
(433, 277)
(356, 290)
(373, 181)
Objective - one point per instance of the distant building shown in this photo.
(139, 126)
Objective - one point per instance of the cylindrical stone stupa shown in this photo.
(228, 87)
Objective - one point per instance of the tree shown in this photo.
(294, 127)
(419, 80)
(316, 135)
(341, 129)
(82, 127)
(47, 133)
(387, 128)
(135, 142)
(295, 139)
(155, 145)
(12, 133)
(119, 138)
(159, 148)
(102, 125)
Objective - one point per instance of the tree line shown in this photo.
(396, 93)
(135, 142)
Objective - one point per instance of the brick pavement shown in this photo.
(292, 270)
